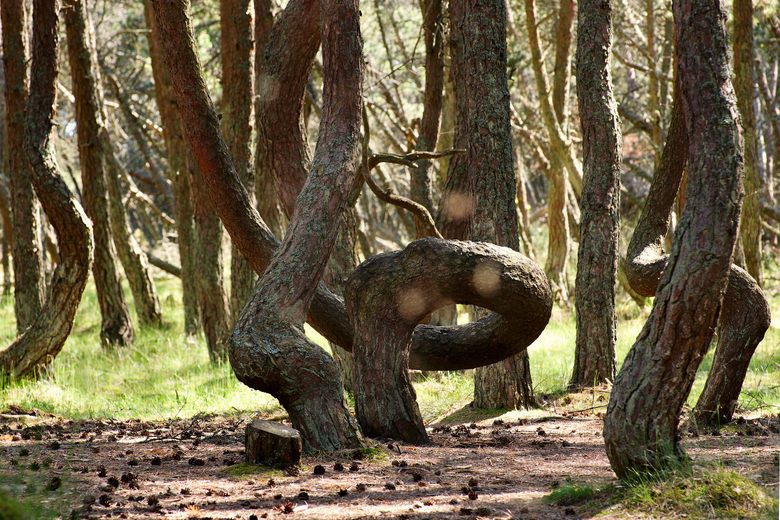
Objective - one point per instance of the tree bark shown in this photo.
(433, 348)
(479, 198)
(116, 327)
(594, 354)
(237, 51)
(744, 85)
(745, 310)
(268, 203)
(421, 182)
(29, 285)
(557, 218)
(207, 255)
(43, 340)
(291, 46)
(268, 347)
(178, 153)
(390, 293)
(132, 257)
(640, 429)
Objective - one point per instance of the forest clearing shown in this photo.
(389, 259)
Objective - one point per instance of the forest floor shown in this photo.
(506, 466)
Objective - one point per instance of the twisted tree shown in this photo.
(640, 429)
(43, 340)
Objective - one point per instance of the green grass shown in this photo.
(569, 494)
(162, 375)
(165, 375)
(701, 493)
(247, 471)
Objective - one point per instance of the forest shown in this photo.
(417, 259)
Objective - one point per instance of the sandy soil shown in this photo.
(495, 468)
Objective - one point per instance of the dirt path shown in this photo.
(497, 468)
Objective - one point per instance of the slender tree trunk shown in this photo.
(557, 218)
(177, 151)
(116, 328)
(29, 286)
(43, 340)
(267, 199)
(750, 225)
(133, 259)
(237, 99)
(641, 424)
(420, 182)
(594, 355)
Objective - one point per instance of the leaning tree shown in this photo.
(641, 425)
(43, 340)
(268, 348)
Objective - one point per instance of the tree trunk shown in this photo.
(116, 328)
(178, 151)
(207, 255)
(29, 286)
(744, 85)
(268, 347)
(420, 182)
(291, 46)
(557, 218)
(594, 355)
(390, 293)
(43, 340)
(133, 259)
(267, 199)
(641, 424)
(237, 100)
(479, 198)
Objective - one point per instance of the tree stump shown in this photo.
(272, 444)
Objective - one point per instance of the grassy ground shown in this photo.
(165, 375)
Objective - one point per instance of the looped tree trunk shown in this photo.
(43, 340)
(744, 316)
(389, 294)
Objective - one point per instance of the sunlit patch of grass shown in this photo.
(162, 375)
(245, 471)
(702, 493)
(569, 494)
(373, 453)
(441, 393)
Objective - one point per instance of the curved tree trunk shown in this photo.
(594, 355)
(291, 47)
(390, 293)
(29, 286)
(237, 99)
(745, 310)
(116, 328)
(268, 347)
(178, 152)
(43, 340)
(744, 85)
(640, 429)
